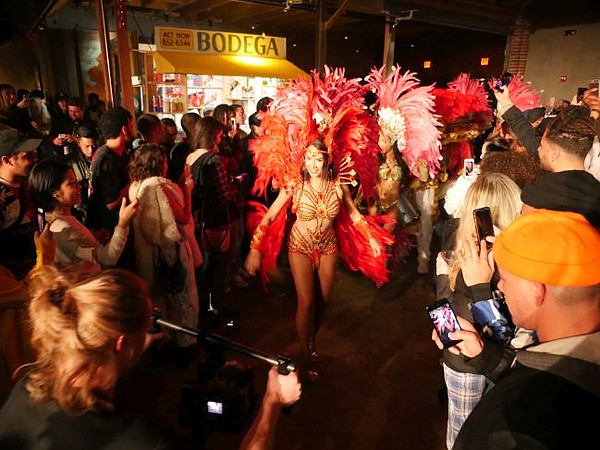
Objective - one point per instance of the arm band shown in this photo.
(258, 237)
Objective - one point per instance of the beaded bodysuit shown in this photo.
(312, 233)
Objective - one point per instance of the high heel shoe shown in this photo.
(312, 375)
(312, 351)
(312, 372)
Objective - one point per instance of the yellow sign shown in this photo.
(220, 43)
(175, 39)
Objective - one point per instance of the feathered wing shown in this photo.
(522, 95)
(352, 140)
(356, 251)
(293, 104)
(405, 115)
(272, 154)
(271, 245)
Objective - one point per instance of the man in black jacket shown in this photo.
(549, 397)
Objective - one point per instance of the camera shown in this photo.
(222, 399)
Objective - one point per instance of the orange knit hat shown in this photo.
(553, 247)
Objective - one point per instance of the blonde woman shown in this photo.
(502, 195)
(86, 335)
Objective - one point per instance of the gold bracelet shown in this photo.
(362, 226)
(258, 236)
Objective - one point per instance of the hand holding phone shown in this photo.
(444, 321)
(41, 220)
(484, 226)
(469, 166)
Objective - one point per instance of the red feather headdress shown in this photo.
(328, 106)
(464, 98)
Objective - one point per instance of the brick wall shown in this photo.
(517, 48)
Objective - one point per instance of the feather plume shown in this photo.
(356, 250)
(522, 95)
(405, 116)
(352, 140)
(464, 98)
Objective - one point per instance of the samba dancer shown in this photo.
(314, 179)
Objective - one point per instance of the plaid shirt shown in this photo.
(226, 191)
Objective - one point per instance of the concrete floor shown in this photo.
(380, 371)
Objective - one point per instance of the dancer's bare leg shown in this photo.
(302, 272)
(326, 274)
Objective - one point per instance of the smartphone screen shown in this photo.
(444, 321)
(483, 224)
(469, 166)
(41, 219)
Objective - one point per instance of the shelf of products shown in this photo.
(171, 93)
(180, 93)
(204, 90)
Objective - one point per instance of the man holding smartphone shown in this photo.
(549, 397)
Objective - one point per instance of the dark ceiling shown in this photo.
(356, 33)
(294, 17)
(299, 16)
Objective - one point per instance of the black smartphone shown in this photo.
(444, 321)
(483, 225)
(41, 219)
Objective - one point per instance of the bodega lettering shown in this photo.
(220, 43)
(238, 44)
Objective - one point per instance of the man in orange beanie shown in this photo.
(548, 395)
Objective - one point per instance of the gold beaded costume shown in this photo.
(312, 233)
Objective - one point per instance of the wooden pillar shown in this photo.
(124, 55)
(103, 36)
(321, 40)
(389, 44)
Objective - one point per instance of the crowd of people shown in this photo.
(111, 224)
(141, 217)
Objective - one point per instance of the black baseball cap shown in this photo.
(13, 142)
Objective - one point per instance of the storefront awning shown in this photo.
(249, 66)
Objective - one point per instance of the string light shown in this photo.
(122, 14)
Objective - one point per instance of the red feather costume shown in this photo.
(465, 114)
(331, 107)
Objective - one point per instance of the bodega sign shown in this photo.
(219, 43)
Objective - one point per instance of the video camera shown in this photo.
(222, 398)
